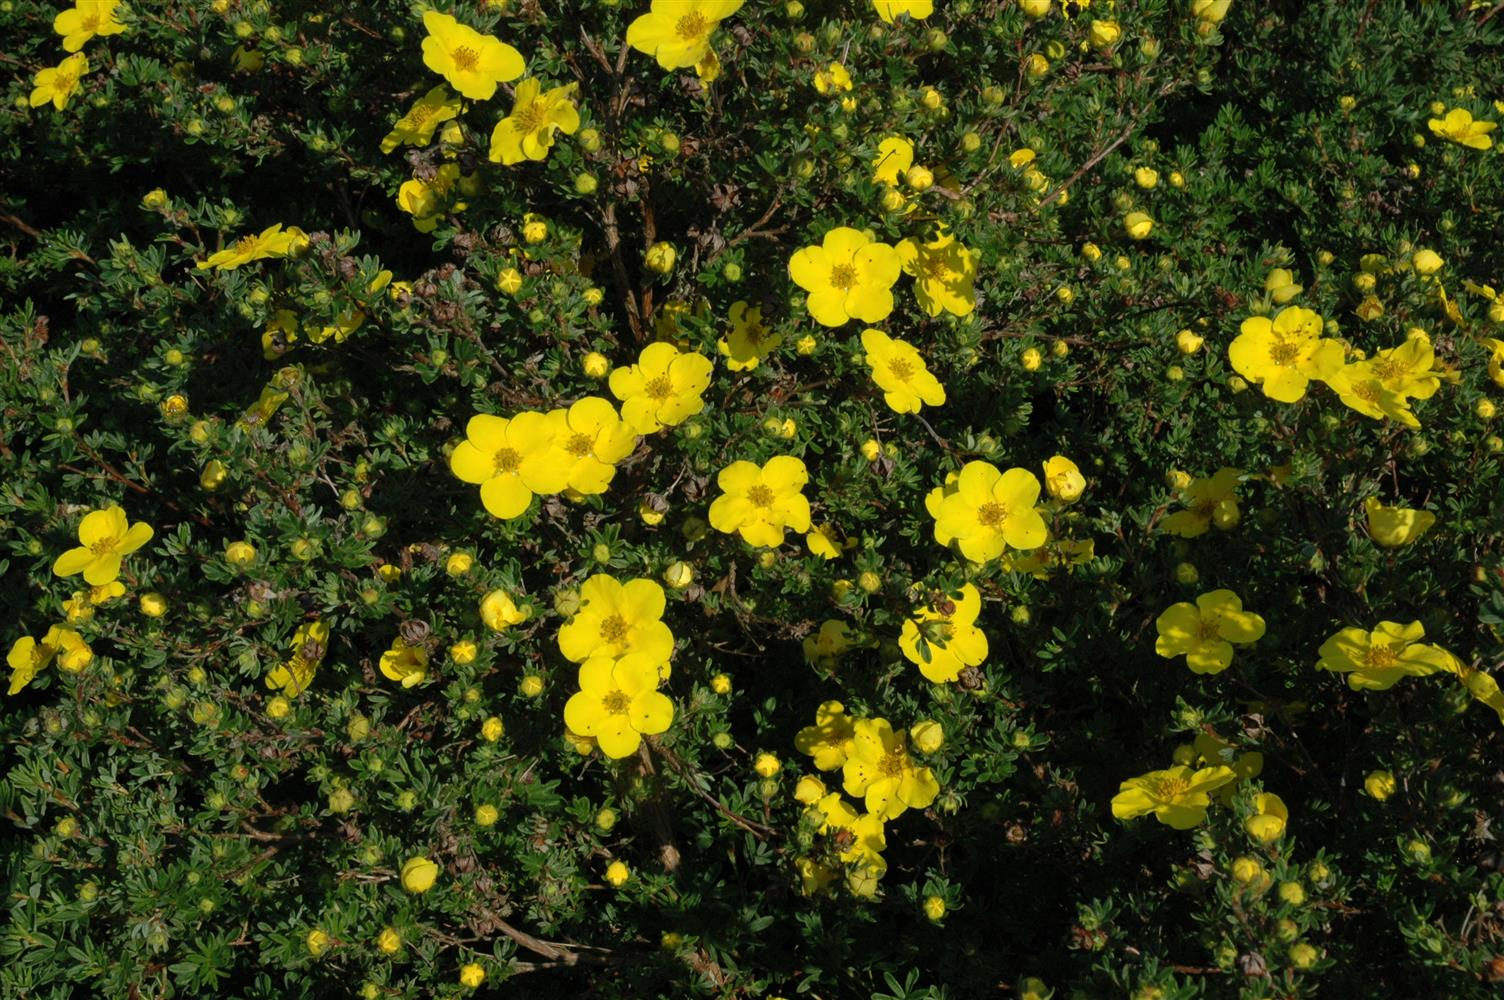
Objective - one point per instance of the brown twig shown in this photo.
(691, 779)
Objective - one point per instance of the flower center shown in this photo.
(420, 114)
(617, 702)
(1208, 629)
(843, 276)
(465, 59)
(992, 514)
(246, 244)
(760, 496)
(105, 545)
(531, 118)
(614, 629)
(901, 369)
(1387, 369)
(1284, 353)
(506, 460)
(691, 26)
(579, 445)
(1367, 390)
(891, 765)
(660, 388)
(1170, 787)
(90, 23)
(1380, 656)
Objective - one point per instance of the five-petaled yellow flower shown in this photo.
(1460, 127)
(405, 663)
(1375, 660)
(662, 389)
(944, 273)
(273, 241)
(473, 63)
(105, 537)
(829, 740)
(677, 32)
(509, 460)
(57, 83)
(528, 132)
(416, 128)
(849, 276)
(619, 703)
(943, 639)
(880, 771)
(1204, 632)
(749, 340)
(1391, 527)
(1178, 796)
(917, 9)
(900, 372)
(760, 502)
(309, 644)
(1283, 355)
(616, 619)
(86, 19)
(986, 510)
(588, 440)
(29, 657)
(1208, 500)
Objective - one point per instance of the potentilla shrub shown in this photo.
(832, 498)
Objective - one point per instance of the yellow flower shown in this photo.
(73, 654)
(759, 503)
(617, 874)
(1138, 225)
(900, 372)
(988, 510)
(1284, 354)
(749, 340)
(890, 9)
(1063, 479)
(1204, 632)
(928, 736)
(510, 460)
(419, 874)
(1480, 685)
(618, 703)
(309, 644)
(615, 620)
(1270, 817)
(417, 126)
(880, 771)
(766, 765)
(473, 63)
(1104, 34)
(1409, 369)
(1281, 286)
(942, 639)
(1392, 527)
(1359, 390)
(58, 83)
(849, 276)
(1380, 784)
(826, 646)
(944, 272)
(1204, 498)
(588, 440)
(27, 658)
(895, 155)
(809, 790)
(662, 389)
(1211, 11)
(528, 132)
(408, 664)
(85, 20)
(106, 538)
(472, 975)
(833, 79)
(824, 541)
(389, 941)
(1178, 797)
(829, 740)
(499, 612)
(1376, 660)
(426, 200)
(677, 32)
(1459, 127)
(317, 942)
(273, 241)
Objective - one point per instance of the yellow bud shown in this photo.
(492, 729)
(596, 365)
(155, 199)
(531, 685)
(486, 814)
(660, 257)
(1380, 785)
(419, 874)
(1187, 342)
(153, 604)
(928, 736)
(678, 575)
(389, 941)
(1146, 178)
(213, 476)
(1138, 225)
(1031, 360)
(934, 908)
(459, 563)
(919, 178)
(721, 684)
(766, 765)
(472, 975)
(871, 450)
(509, 280)
(617, 874)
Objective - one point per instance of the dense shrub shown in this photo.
(934, 362)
